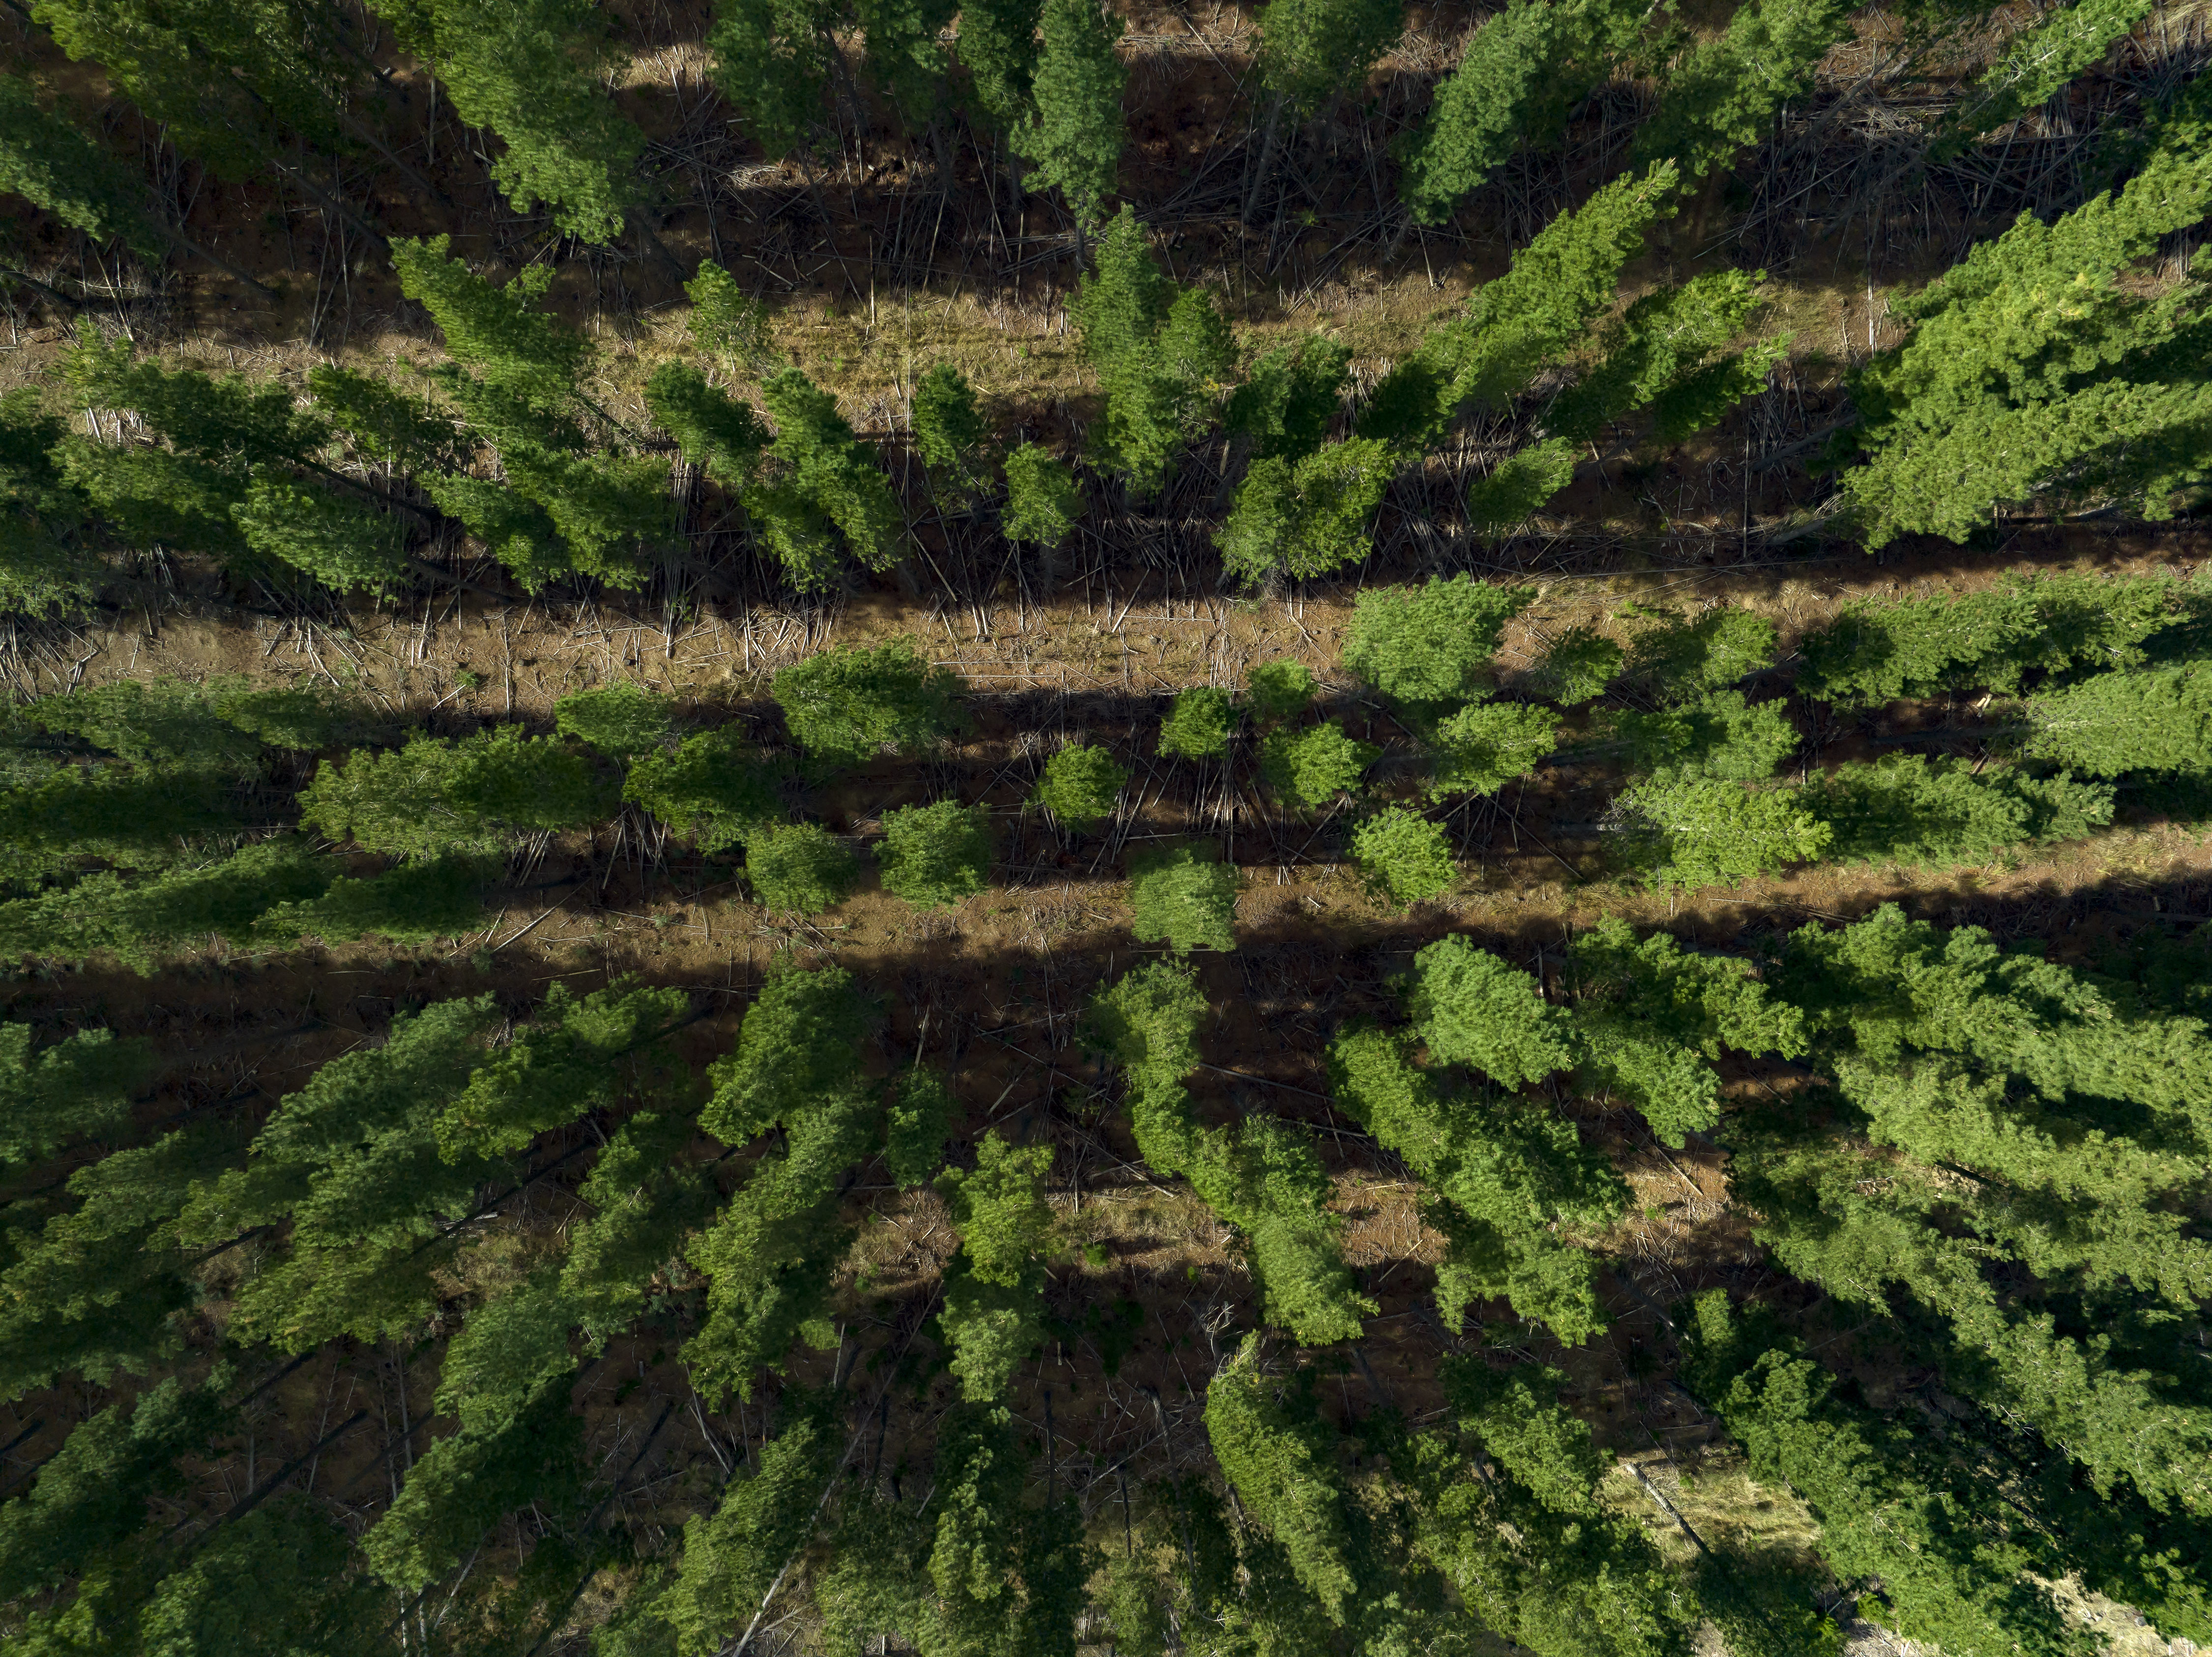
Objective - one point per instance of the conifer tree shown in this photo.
(1539, 309)
(1159, 354)
(1722, 92)
(162, 913)
(1310, 51)
(534, 73)
(150, 722)
(721, 435)
(1309, 516)
(1719, 736)
(1007, 1576)
(770, 1254)
(994, 1288)
(715, 786)
(1652, 1019)
(1690, 831)
(1080, 786)
(801, 868)
(1405, 856)
(436, 795)
(1276, 1453)
(47, 161)
(340, 543)
(39, 567)
(1501, 1176)
(916, 1123)
(498, 334)
(411, 903)
(949, 428)
(1669, 352)
(382, 422)
(998, 47)
(935, 856)
(728, 323)
(283, 1577)
(623, 721)
(1973, 411)
(1470, 1007)
(2037, 62)
(1311, 767)
(1198, 723)
(772, 62)
(823, 477)
(1184, 896)
(1523, 72)
(1516, 488)
(1479, 750)
(1577, 667)
(1264, 1179)
(1290, 397)
(1950, 1575)
(1910, 809)
(2151, 720)
(1075, 136)
(1043, 501)
(1278, 690)
(1683, 658)
(78, 1087)
(1429, 646)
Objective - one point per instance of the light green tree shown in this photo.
(847, 705)
(994, 1288)
(801, 867)
(1429, 646)
(1406, 857)
(1307, 516)
(1198, 723)
(1311, 767)
(1184, 896)
(1080, 786)
(1043, 501)
(1479, 749)
(1075, 134)
(935, 856)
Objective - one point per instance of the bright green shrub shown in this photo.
(1043, 502)
(1479, 749)
(1431, 645)
(1684, 831)
(1277, 690)
(847, 705)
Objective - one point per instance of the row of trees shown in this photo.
(2002, 1158)
(139, 818)
(237, 471)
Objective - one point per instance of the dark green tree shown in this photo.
(715, 786)
(848, 705)
(1043, 501)
(1200, 723)
(1074, 135)
(994, 1288)
(1080, 786)
(801, 867)
(78, 1087)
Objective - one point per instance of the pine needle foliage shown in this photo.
(921, 1113)
(79, 1088)
(1577, 667)
(2037, 62)
(801, 868)
(1723, 93)
(1043, 501)
(162, 915)
(1311, 767)
(823, 478)
(438, 795)
(847, 705)
(1198, 724)
(1291, 396)
(411, 903)
(728, 323)
(949, 428)
(721, 435)
(623, 721)
(715, 786)
(1075, 134)
(49, 162)
(1515, 489)
(2157, 720)
(1307, 516)
(935, 855)
(1313, 51)
(994, 1290)
(1692, 830)
(1407, 857)
(998, 49)
(381, 421)
(1279, 689)
(1080, 786)
(344, 546)
(772, 62)
(498, 334)
(40, 566)
(1479, 749)
(1184, 896)
(1429, 646)
(1719, 736)
(1912, 810)
(1678, 657)
(1470, 1007)
(1277, 1454)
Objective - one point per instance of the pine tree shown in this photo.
(769, 1256)
(1311, 51)
(1669, 352)
(714, 431)
(1516, 488)
(2037, 62)
(411, 903)
(47, 161)
(437, 796)
(281, 1578)
(79, 1088)
(1159, 353)
(1690, 831)
(801, 868)
(2029, 627)
(1290, 397)
(1007, 1576)
(998, 47)
(716, 788)
(1479, 749)
(920, 1114)
(1577, 667)
(1198, 724)
(824, 477)
(1538, 311)
(534, 73)
(1652, 1020)
(623, 721)
(906, 58)
(772, 62)
(340, 543)
(152, 721)
(1279, 689)
(1080, 786)
(727, 322)
(498, 334)
(1909, 809)
(1276, 1453)
(1184, 896)
(133, 816)
(1429, 646)
(93, 1494)
(949, 428)
(39, 566)
(994, 1288)
(1523, 71)
(1470, 1007)
(1683, 658)
(1720, 735)
(1501, 1176)
(1306, 517)
(175, 909)
(1405, 856)
(1949, 1572)
(1983, 404)
(1074, 137)
(1043, 502)
(1723, 93)
(937, 854)
(2115, 723)
(385, 424)
(1311, 767)
(353, 1159)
